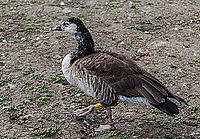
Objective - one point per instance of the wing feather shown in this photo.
(114, 75)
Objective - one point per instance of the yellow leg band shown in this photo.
(98, 106)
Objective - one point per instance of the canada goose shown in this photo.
(110, 77)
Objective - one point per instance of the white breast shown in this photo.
(76, 77)
(66, 68)
(66, 62)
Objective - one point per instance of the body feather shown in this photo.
(105, 76)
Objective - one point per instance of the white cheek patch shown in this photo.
(72, 28)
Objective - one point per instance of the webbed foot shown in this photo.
(105, 127)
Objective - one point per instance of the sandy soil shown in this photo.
(36, 101)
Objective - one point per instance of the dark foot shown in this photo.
(105, 127)
(84, 111)
(108, 126)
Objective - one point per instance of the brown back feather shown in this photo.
(124, 76)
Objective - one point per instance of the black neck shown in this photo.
(85, 44)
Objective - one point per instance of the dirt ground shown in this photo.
(36, 101)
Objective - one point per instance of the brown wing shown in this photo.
(124, 77)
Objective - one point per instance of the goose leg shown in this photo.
(84, 111)
(109, 126)
(87, 110)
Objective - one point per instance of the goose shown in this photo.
(110, 77)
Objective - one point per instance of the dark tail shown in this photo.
(158, 89)
(168, 107)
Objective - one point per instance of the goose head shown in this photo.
(72, 25)
(76, 27)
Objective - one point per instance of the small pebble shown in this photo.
(85, 123)
(73, 123)
(67, 10)
(78, 95)
(29, 115)
(23, 39)
(122, 43)
(175, 29)
(180, 70)
(62, 3)
(27, 101)
(62, 120)
(40, 120)
(38, 38)
(12, 86)
(142, 51)
(184, 85)
(23, 118)
(92, 119)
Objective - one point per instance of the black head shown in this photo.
(76, 27)
(71, 25)
(75, 20)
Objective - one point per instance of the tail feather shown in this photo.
(160, 91)
(151, 83)
(168, 107)
(180, 100)
(157, 84)
(158, 95)
(148, 96)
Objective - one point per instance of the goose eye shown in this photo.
(66, 23)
